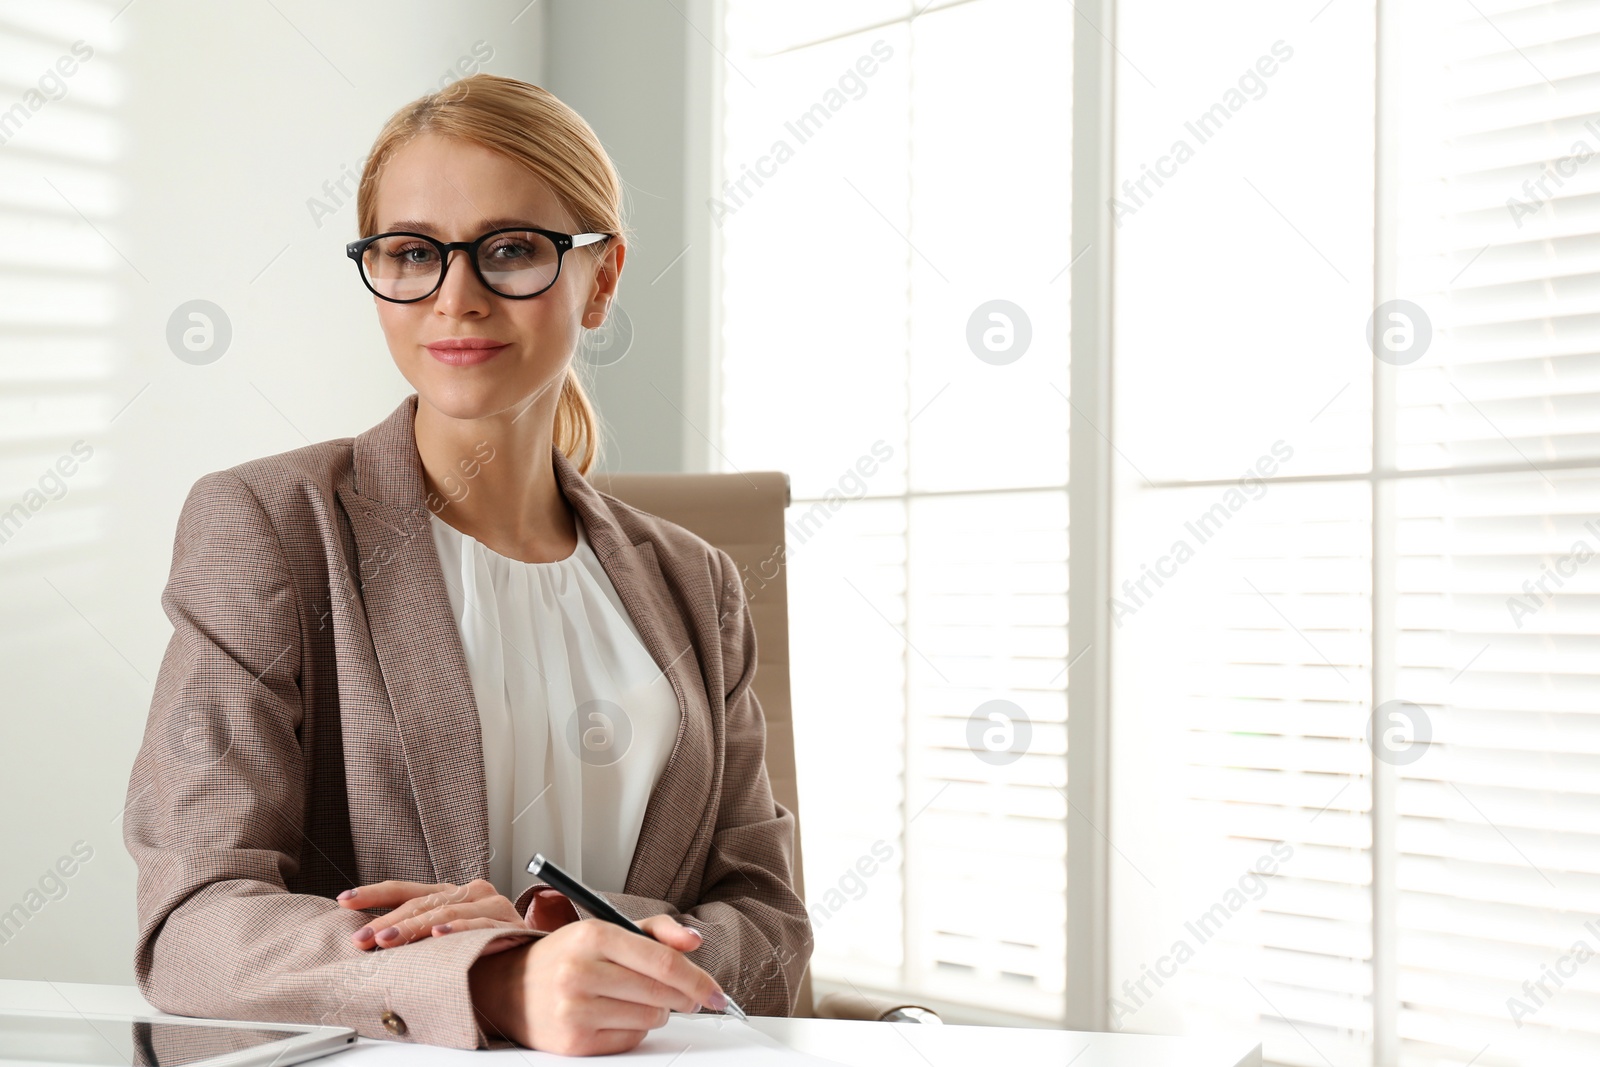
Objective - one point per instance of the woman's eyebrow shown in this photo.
(423, 226)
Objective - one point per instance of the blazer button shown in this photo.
(394, 1024)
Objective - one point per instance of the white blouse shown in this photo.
(578, 721)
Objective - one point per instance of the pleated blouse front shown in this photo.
(578, 721)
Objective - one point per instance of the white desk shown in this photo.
(854, 1043)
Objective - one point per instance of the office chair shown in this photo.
(743, 514)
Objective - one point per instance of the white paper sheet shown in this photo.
(686, 1041)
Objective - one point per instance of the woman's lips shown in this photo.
(465, 353)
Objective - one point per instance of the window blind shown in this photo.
(1242, 614)
(861, 232)
(1480, 567)
(1498, 597)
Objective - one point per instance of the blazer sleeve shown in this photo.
(215, 805)
(757, 934)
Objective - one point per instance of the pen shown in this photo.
(599, 907)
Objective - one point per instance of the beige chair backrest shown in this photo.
(742, 514)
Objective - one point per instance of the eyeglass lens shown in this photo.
(517, 263)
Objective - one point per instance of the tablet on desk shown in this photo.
(54, 1039)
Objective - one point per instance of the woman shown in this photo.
(404, 662)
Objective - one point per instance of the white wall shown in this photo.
(190, 142)
(646, 76)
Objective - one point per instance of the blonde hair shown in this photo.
(530, 126)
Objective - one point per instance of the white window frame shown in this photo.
(1089, 539)
(1089, 518)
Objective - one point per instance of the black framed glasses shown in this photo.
(514, 262)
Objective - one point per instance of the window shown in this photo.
(1356, 507)
(1495, 581)
(59, 87)
(894, 335)
(1414, 538)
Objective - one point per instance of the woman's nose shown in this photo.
(460, 292)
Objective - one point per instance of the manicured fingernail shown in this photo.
(717, 1001)
(346, 895)
(442, 928)
(388, 933)
(363, 934)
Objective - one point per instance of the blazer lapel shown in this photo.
(418, 645)
(674, 817)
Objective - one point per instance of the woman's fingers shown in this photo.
(404, 897)
(404, 931)
(655, 960)
(386, 894)
(416, 917)
(603, 1013)
(623, 983)
(390, 932)
(386, 930)
(422, 904)
(481, 922)
(671, 933)
(592, 987)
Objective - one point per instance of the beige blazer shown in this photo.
(313, 728)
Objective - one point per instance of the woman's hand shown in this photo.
(592, 987)
(423, 910)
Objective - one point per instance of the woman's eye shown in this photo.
(413, 254)
(511, 250)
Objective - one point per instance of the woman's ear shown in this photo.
(607, 276)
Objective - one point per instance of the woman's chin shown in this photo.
(481, 397)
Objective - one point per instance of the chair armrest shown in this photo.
(873, 1009)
